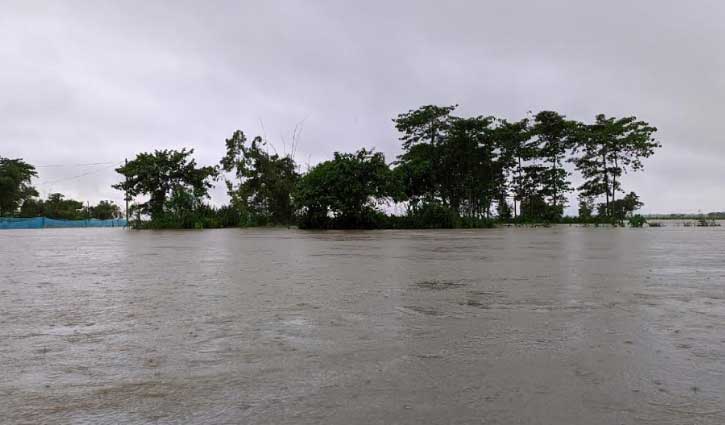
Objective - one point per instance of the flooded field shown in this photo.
(560, 325)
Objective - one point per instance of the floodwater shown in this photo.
(561, 325)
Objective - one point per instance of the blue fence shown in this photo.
(47, 223)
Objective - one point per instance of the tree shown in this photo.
(586, 209)
(449, 159)
(514, 143)
(105, 210)
(15, 184)
(470, 173)
(419, 168)
(416, 171)
(264, 182)
(625, 207)
(609, 148)
(56, 207)
(553, 132)
(425, 124)
(345, 191)
(171, 180)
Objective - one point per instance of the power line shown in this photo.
(74, 165)
(81, 175)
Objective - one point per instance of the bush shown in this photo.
(637, 221)
(434, 215)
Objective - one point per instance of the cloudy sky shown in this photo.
(96, 82)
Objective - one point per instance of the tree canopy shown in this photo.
(15, 184)
(345, 191)
(171, 181)
(263, 183)
(609, 148)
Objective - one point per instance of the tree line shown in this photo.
(453, 171)
(19, 198)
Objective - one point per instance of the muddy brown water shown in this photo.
(560, 325)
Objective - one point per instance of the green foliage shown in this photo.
(174, 185)
(609, 148)
(453, 171)
(15, 187)
(105, 210)
(428, 215)
(56, 206)
(473, 164)
(535, 209)
(516, 150)
(425, 124)
(637, 221)
(202, 217)
(452, 160)
(345, 191)
(586, 209)
(625, 207)
(553, 142)
(264, 183)
(504, 212)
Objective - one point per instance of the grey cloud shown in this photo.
(90, 82)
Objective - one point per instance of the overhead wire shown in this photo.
(74, 165)
(82, 174)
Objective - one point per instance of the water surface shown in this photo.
(563, 325)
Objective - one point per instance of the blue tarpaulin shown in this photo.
(44, 223)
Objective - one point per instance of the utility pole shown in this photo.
(126, 197)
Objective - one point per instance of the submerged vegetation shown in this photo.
(452, 172)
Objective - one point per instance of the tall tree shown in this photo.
(514, 142)
(609, 148)
(425, 124)
(15, 184)
(420, 167)
(163, 175)
(264, 183)
(553, 132)
(469, 166)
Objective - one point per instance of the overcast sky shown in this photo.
(96, 82)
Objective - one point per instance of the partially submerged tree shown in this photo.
(264, 183)
(345, 191)
(449, 160)
(105, 210)
(553, 142)
(609, 148)
(57, 206)
(513, 140)
(15, 184)
(172, 182)
(625, 207)
(586, 209)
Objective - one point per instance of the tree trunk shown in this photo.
(554, 180)
(606, 184)
(614, 180)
